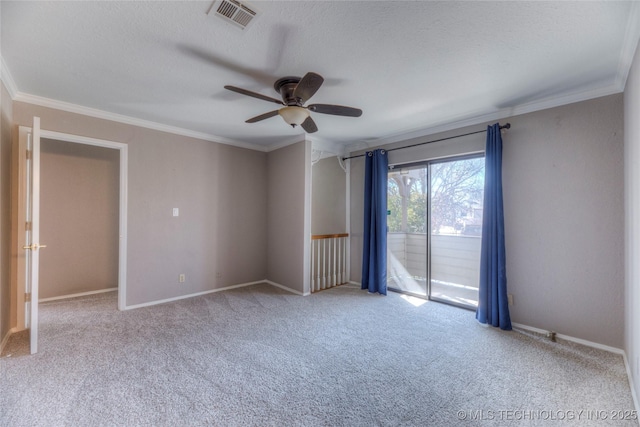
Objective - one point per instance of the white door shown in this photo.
(32, 232)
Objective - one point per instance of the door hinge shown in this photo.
(28, 226)
(27, 297)
(29, 154)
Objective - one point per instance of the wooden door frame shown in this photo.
(19, 227)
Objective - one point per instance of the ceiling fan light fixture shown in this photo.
(294, 115)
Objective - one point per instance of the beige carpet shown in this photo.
(259, 356)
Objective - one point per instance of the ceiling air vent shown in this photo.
(238, 13)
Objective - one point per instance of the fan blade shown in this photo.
(309, 125)
(253, 94)
(336, 110)
(308, 86)
(262, 116)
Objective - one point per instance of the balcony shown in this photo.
(455, 261)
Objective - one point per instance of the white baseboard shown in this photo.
(5, 339)
(592, 345)
(81, 294)
(630, 378)
(561, 336)
(570, 338)
(587, 343)
(286, 288)
(197, 294)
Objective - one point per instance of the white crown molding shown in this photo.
(105, 115)
(627, 53)
(100, 114)
(559, 101)
(323, 145)
(284, 143)
(503, 113)
(629, 45)
(16, 95)
(7, 79)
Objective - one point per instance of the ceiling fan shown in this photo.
(295, 91)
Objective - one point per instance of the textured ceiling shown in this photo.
(413, 67)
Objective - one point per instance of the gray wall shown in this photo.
(632, 220)
(564, 219)
(6, 322)
(218, 240)
(79, 205)
(289, 174)
(563, 201)
(328, 197)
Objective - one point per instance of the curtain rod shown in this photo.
(507, 126)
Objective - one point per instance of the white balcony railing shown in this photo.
(455, 262)
(328, 261)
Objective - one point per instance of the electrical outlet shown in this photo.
(218, 275)
(182, 278)
(510, 299)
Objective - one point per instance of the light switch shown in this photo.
(176, 212)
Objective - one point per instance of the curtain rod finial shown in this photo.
(507, 126)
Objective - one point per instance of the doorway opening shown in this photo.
(79, 196)
(434, 224)
(122, 149)
(26, 225)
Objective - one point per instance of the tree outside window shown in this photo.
(456, 198)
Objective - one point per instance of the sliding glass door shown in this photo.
(435, 226)
(407, 230)
(456, 230)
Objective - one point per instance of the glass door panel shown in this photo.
(457, 189)
(407, 230)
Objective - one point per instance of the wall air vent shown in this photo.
(234, 11)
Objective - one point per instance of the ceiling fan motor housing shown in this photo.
(285, 87)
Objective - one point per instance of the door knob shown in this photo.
(34, 246)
